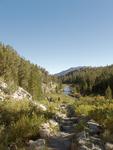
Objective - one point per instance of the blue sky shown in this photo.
(59, 34)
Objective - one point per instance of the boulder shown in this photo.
(45, 130)
(60, 115)
(88, 144)
(49, 129)
(42, 107)
(109, 146)
(3, 87)
(20, 94)
(53, 123)
(94, 128)
(39, 106)
(37, 145)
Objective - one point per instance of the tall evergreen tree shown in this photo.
(108, 93)
(20, 72)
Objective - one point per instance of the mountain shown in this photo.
(65, 72)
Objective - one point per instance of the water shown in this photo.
(67, 90)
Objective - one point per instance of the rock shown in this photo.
(67, 128)
(80, 136)
(109, 146)
(86, 142)
(45, 130)
(3, 86)
(70, 111)
(42, 107)
(49, 129)
(39, 106)
(89, 138)
(63, 106)
(60, 115)
(53, 123)
(21, 94)
(66, 135)
(37, 145)
(59, 143)
(3, 89)
(94, 128)
(1, 98)
(13, 146)
(73, 119)
(83, 148)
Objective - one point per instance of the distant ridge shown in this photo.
(62, 73)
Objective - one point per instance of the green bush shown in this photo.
(84, 109)
(99, 109)
(19, 121)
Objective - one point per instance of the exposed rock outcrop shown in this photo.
(49, 129)
(21, 94)
(18, 94)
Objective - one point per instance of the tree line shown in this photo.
(17, 71)
(91, 80)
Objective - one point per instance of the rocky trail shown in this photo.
(69, 138)
(64, 140)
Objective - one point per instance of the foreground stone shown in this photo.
(39, 144)
(39, 106)
(13, 146)
(3, 86)
(109, 146)
(49, 129)
(88, 142)
(94, 128)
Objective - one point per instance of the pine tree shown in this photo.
(16, 71)
(35, 83)
(108, 93)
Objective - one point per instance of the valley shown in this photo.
(39, 111)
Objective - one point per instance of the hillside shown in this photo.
(17, 71)
(90, 80)
(65, 72)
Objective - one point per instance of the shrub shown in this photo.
(84, 109)
(25, 127)
(19, 121)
